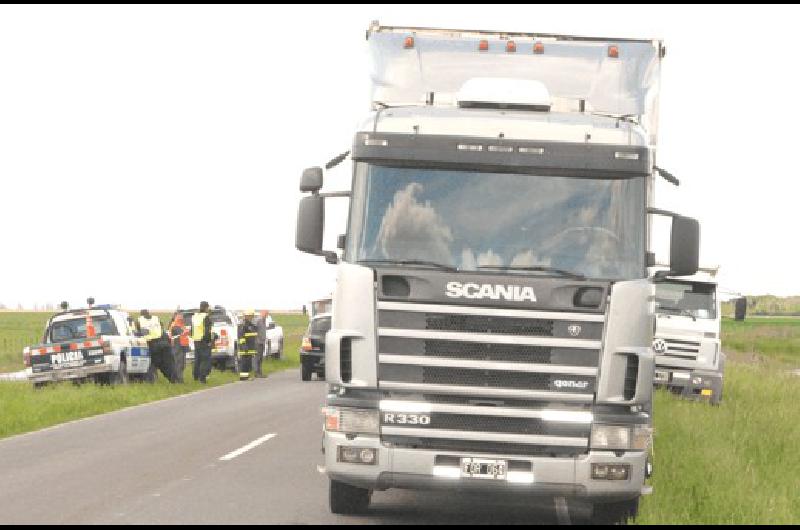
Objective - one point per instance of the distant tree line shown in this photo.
(767, 305)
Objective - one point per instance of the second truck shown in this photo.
(493, 315)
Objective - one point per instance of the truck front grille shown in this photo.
(487, 380)
(682, 349)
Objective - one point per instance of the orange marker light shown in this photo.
(538, 47)
(511, 46)
(483, 46)
(409, 43)
(613, 52)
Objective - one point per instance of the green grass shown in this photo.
(24, 409)
(733, 464)
(17, 330)
(775, 339)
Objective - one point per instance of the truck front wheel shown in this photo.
(348, 500)
(615, 512)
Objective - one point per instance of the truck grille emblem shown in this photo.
(659, 346)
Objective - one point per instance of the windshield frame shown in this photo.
(357, 209)
(689, 313)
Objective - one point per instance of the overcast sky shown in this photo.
(130, 134)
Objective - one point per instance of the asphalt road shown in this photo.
(208, 458)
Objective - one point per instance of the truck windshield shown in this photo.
(472, 220)
(694, 300)
(75, 328)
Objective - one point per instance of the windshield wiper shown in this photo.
(408, 262)
(536, 268)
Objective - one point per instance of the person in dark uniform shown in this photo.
(248, 337)
(179, 335)
(202, 337)
(158, 344)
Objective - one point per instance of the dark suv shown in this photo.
(312, 350)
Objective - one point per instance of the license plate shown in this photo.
(484, 469)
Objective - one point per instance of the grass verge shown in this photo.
(24, 409)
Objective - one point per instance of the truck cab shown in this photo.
(493, 318)
(689, 357)
(93, 343)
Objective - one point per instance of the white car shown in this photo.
(274, 344)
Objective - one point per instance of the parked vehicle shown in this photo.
(493, 320)
(274, 344)
(225, 327)
(689, 357)
(94, 343)
(312, 348)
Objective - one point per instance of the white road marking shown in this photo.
(562, 511)
(244, 449)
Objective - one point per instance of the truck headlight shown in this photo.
(619, 437)
(351, 421)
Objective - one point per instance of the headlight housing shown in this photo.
(621, 437)
(351, 421)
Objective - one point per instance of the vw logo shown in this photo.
(659, 346)
(574, 330)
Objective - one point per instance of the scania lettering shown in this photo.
(494, 315)
(495, 292)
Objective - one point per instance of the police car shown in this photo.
(94, 343)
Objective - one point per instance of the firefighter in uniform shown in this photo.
(248, 336)
(201, 335)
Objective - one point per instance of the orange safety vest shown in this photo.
(183, 338)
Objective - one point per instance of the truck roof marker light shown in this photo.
(613, 52)
(500, 149)
(470, 147)
(374, 142)
(622, 155)
(408, 43)
(511, 46)
(538, 48)
(532, 150)
(483, 46)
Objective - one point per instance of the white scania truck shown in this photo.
(689, 357)
(493, 315)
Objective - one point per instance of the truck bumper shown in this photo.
(691, 384)
(69, 374)
(552, 477)
(315, 360)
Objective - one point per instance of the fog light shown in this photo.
(358, 455)
(610, 471)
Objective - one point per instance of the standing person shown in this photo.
(201, 335)
(261, 344)
(157, 343)
(248, 335)
(179, 335)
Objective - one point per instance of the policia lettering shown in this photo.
(248, 337)
(201, 336)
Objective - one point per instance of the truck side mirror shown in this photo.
(311, 181)
(310, 224)
(684, 251)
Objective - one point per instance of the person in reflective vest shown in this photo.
(158, 344)
(179, 335)
(202, 338)
(248, 337)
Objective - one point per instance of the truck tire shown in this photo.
(348, 500)
(306, 372)
(615, 512)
